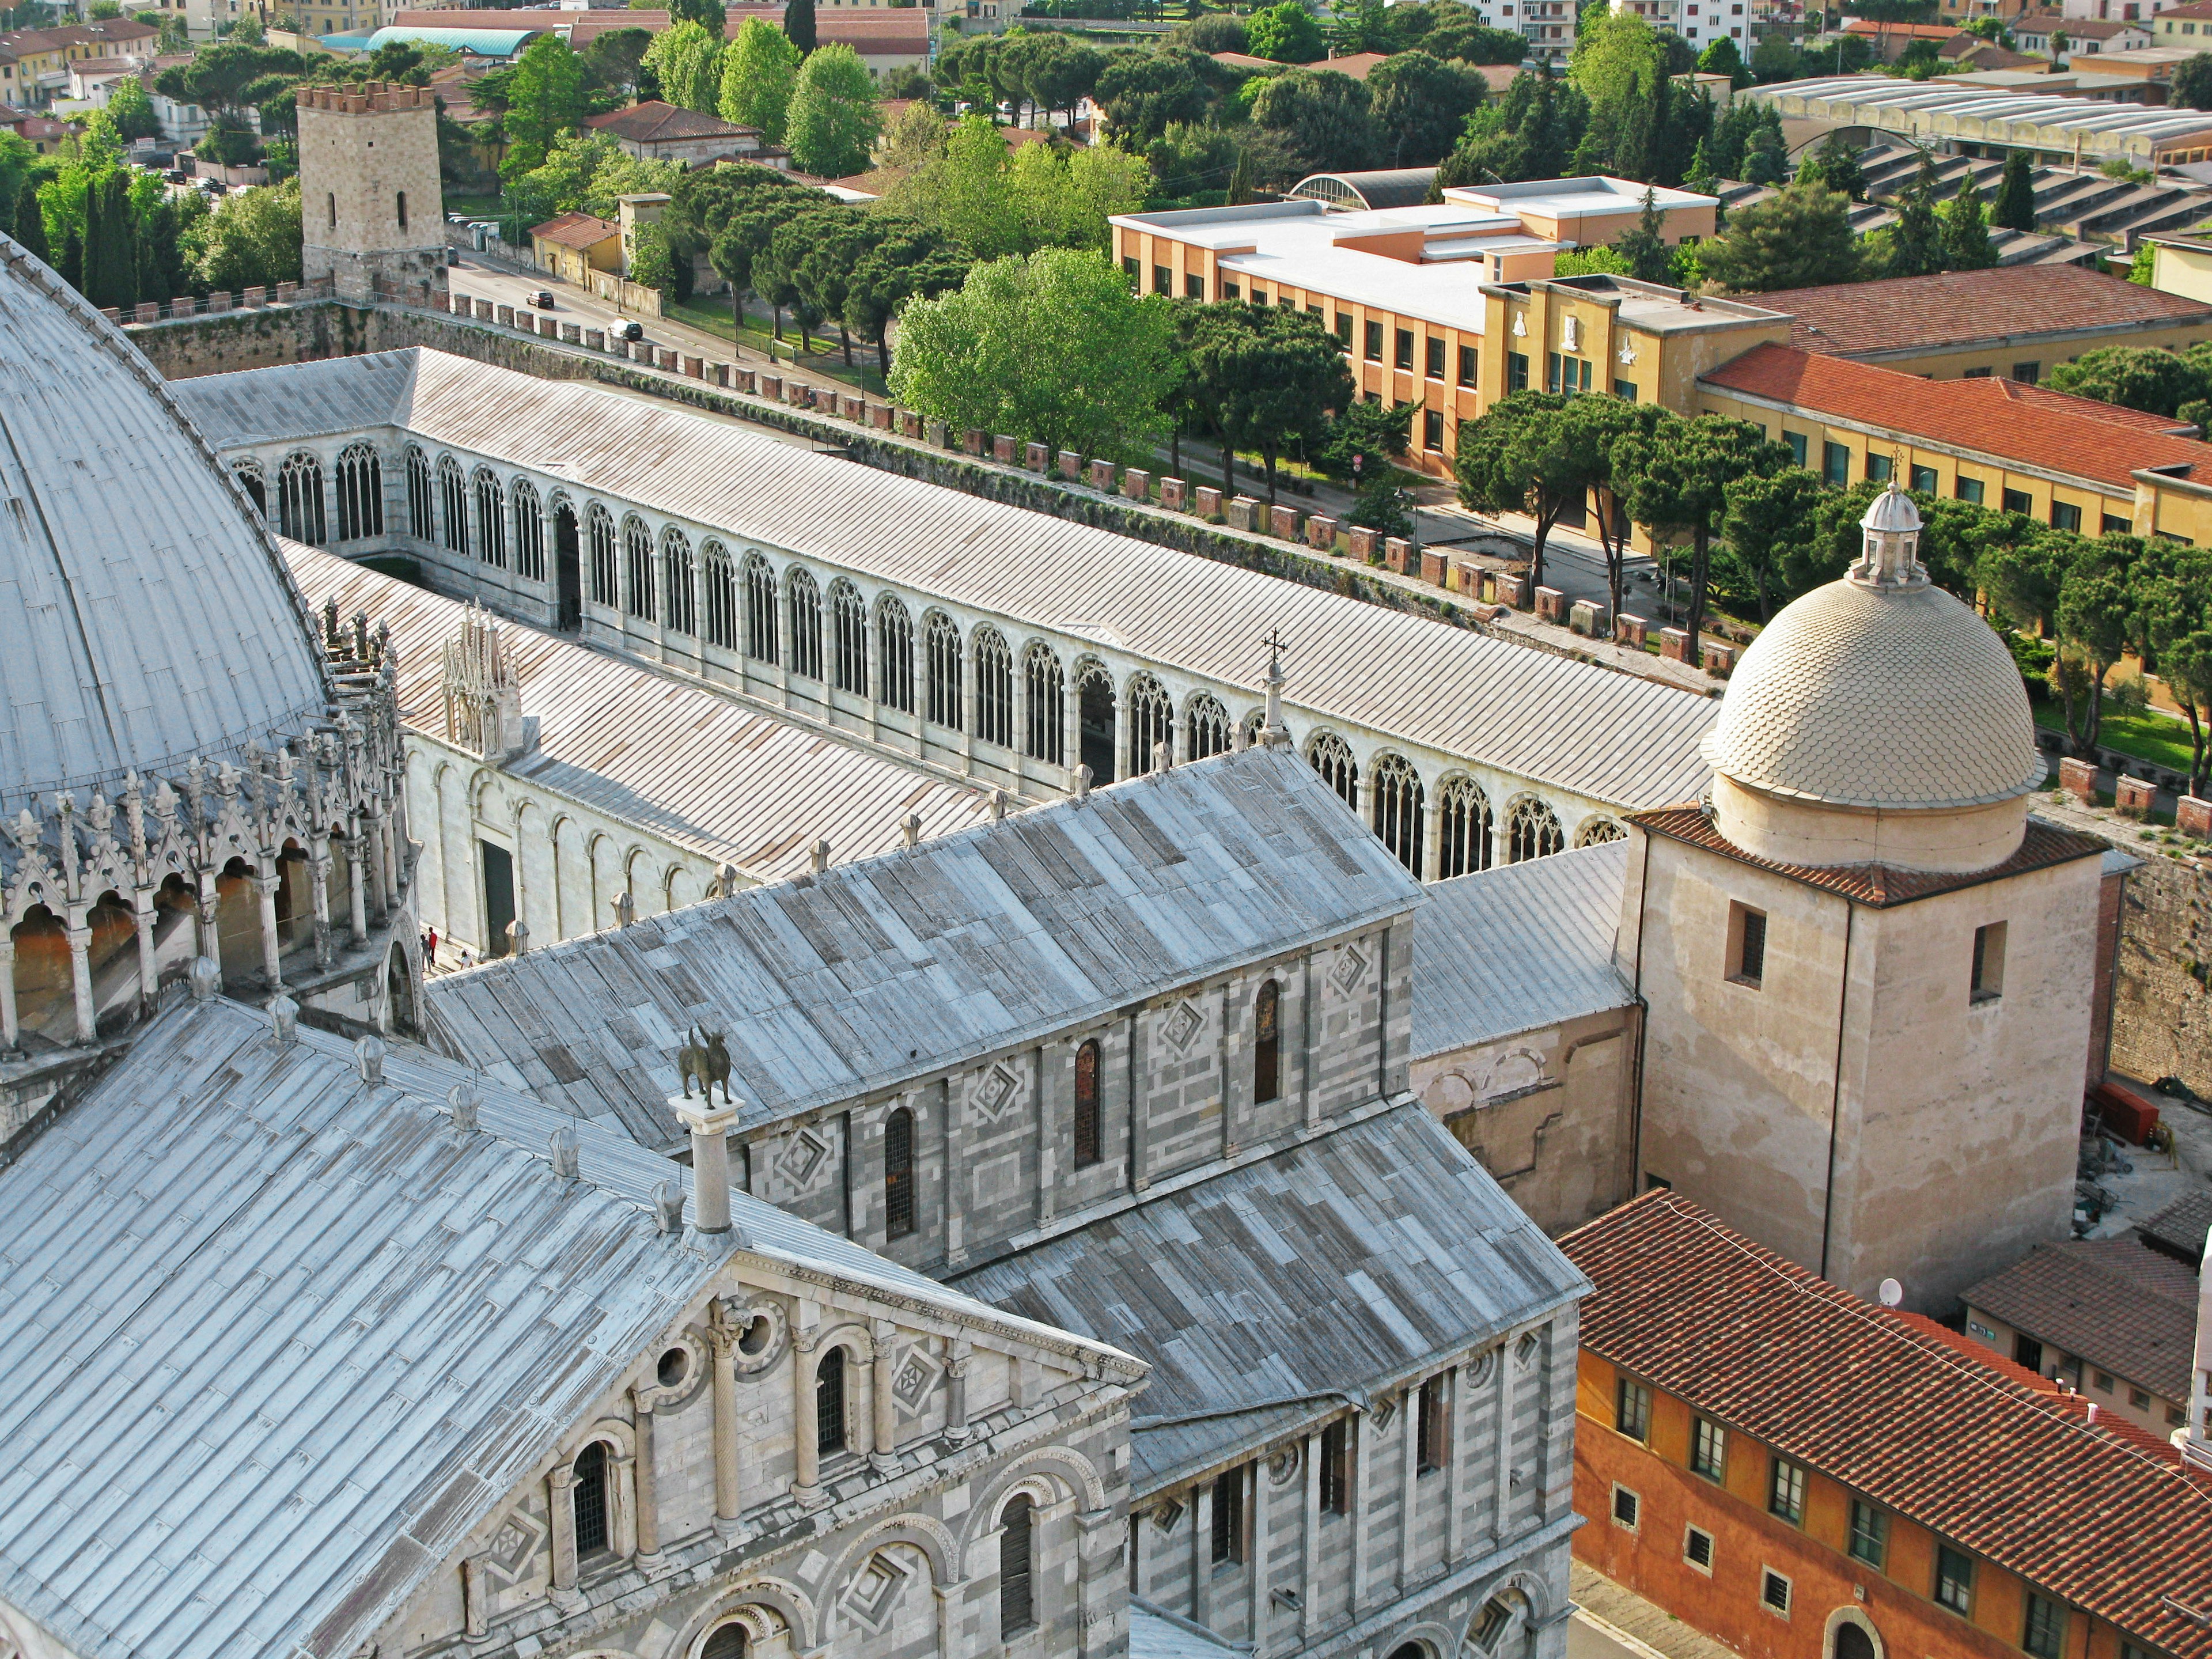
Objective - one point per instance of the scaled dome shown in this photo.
(1879, 692)
(150, 619)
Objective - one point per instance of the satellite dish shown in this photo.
(1891, 1292)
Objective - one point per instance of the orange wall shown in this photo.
(1746, 1541)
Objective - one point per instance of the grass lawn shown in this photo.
(2159, 738)
(712, 317)
(476, 207)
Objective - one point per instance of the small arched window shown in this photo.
(1331, 756)
(606, 584)
(806, 626)
(829, 1403)
(400, 201)
(1151, 723)
(1268, 1043)
(1086, 1104)
(760, 610)
(994, 688)
(677, 582)
(721, 597)
(1209, 727)
(333, 201)
(589, 1496)
(1048, 689)
(1463, 828)
(848, 639)
(529, 534)
(1017, 1593)
(724, 1642)
(1596, 832)
(300, 499)
(491, 518)
(1532, 831)
(637, 568)
(453, 505)
(894, 655)
(250, 479)
(898, 1174)
(422, 514)
(1398, 807)
(944, 671)
(361, 493)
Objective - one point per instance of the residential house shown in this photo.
(1700, 21)
(2181, 25)
(2112, 1320)
(2178, 1230)
(1804, 1475)
(1892, 40)
(2085, 37)
(655, 131)
(34, 63)
(575, 245)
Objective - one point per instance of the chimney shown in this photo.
(820, 856)
(2194, 1442)
(710, 1159)
(910, 831)
(1082, 783)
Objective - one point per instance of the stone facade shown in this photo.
(372, 206)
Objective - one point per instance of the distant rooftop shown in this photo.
(1903, 315)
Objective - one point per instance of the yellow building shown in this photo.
(575, 245)
(34, 63)
(2182, 265)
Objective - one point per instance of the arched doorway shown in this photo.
(238, 927)
(1096, 700)
(568, 571)
(1852, 1642)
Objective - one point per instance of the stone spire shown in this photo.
(1274, 734)
(484, 704)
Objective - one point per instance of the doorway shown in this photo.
(1853, 1643)
(568, 571)
(1096, 706)
(499, 898)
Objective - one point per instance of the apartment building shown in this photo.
(1806, 1475)
(34, 63)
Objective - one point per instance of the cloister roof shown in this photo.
(834, 986)
(1588, 731)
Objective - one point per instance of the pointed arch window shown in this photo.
(898, 1174)
(848, 639)
(588, 1496)
(1209, 727)
(1462, 829)
(1596, 832)
(248, 474)
(994, 688)
(1331, 756)
(679, 583)
(529, 533)
(361, 493)
(1398, 805)
(1151, 723)
(760, 610)
(1016, 1559)
(453, 505)
(421, 511)
(1532, 831)
(1088, 1122)
(944, 640)
(829, 1403)
(491, 519)
(721, 597)
(300, 499)
(805, 625)
(894, 655)
(606, 580)
(1268, 1043)
(1047, 689)
(637, 568)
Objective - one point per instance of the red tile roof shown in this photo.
(576, 230)
(1910, 31)
(1877, 886)
(2004, 419)
(2122, 1307)
(2096, 1514)
(1967, 307)
(652, 121)
(1980, 1352)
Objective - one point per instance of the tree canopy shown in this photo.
(1799, 238)
(834, 114)
(760, 71)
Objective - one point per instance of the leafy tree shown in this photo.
(2150, 378)
(1323, 118)
(775, 267)
(1603, 428)
(1801, 238)
(1677, 481)
(688, 61)
(1065, 199)
(707, 14)
(1836, 164)
(1052, 346)
(835, 116)
(613, 61)
(172, 38)
(1522, 456)
(1966, 230)
(588, 173)
(1617, 67)
(1766, 157)
(111, 242)
(914, 138)
(2192, 81)
(1143, 93)
(1373, 433)
(1050, 71)
(909, 261)
(760, 71)
(1459, 35)
(1213, 32)
(1643, 246)
(226, 81)
(544, 100)
(1418, 105)
(1272, 375)
(131, 110)
(2098, 601)
(1286, 33)
(1530, 133)
(251, 239)
(2014, 209)
(1774, 59)
(2177, 627)
(799, 24)
(1764, 522)
(1721, 57)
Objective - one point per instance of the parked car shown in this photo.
(632, 330)
(542, 299)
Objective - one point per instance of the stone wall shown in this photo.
(222, 342)
(2162, 1005)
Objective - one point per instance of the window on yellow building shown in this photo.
(1374, 342)
(1797, 442)
(1194, 285)
(1162, 279)
(1435, 363)
(1517, 371)
(1923, 479)
(1836, 464)
(2115, 524)
(1968, 489)
(1954, 1579)
(1566, 376)
(2064, 515)
(1344, 329)
(1632, 1410)
(1469, 360)
(2017, 501)
(1405, 344)
(1432, 430)
(1625, 390)
(1870, 1533)
(1129, 266)
(2027, 373)
(1878, 468)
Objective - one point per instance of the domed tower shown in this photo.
(189, 764)
(1867, 968)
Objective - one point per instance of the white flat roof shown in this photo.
(1449, 292)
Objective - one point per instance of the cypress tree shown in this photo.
(31, 224)
(1966, 230)
(72, 264)
(2014, 207)
(92, 249)
(798, 24)
(1916, 248)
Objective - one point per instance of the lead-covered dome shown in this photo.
(148, 617)
(1879, 692)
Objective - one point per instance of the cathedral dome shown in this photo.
(149, 618)
(1879, 694)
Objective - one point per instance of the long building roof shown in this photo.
(1931, 110)
(273, 1339)
(1609, 737)
(650, 749)
(1271, 1295)
(840, 985)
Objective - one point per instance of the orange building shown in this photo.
(1805, 1475)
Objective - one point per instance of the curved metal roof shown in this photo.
(1392, 187)
(479, 43)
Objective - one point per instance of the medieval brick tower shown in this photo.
(370, 206)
